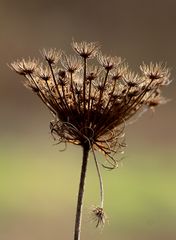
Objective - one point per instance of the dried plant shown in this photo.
(91, 103)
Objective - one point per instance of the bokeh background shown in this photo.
(38, 184)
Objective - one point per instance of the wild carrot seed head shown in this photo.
(91, 103)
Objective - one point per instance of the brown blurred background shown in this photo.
(39, 184)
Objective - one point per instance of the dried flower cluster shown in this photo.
(91, 103)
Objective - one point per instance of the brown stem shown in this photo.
(81, 192)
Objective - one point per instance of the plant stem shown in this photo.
(80, 193)
(100, 180)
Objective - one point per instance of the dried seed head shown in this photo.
(85, 49)
(32, 86)
(155, 71)
(99, 83)
(71, 63)
(52, 56)
(24, 67)
(89, 106)
(61, 73)
(98, 216)
(108, 62)
(119, 72)
(61, 77)
(155, 100)
(93, 72)
(131, 79)
(43, 72)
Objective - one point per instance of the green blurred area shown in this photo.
(39, 185)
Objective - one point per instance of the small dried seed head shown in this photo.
(61, 73)
(98, 216)
(71, 63)
(108, 62)
(155, 71)
(99, 84)
(155, 101)
(24, 67)
(52, 56)
(61, 77)
(85, 49)
(119, 72)
(131, 79)
(93, 72)
(43, 72)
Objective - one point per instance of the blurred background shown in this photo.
(38, 183)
